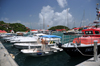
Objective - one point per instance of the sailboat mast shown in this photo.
(43, 23)
(67, 17)
(83, 18)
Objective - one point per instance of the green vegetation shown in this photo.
(97, 26)
(80, 29)
(59, 27)
(20, 27)
(15, 26)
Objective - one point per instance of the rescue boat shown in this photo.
(83, 45)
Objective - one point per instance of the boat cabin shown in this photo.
(92, 32)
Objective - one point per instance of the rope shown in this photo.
(82, 53)
(17, 53)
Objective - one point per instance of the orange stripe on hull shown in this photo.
(86, 40)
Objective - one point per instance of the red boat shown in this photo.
(83, 45)
(89, 36)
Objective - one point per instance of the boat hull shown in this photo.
(31, 46)
(39, 54)
(50, 51)
(85, 51)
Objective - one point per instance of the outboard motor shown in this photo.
(59, 45)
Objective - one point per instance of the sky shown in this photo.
(38, 13)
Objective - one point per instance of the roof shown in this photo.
(34, 30)
(76, 28)
(3, 31)
(60, 29)
(98, 29)
(51, 36)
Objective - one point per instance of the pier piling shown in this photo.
(95, 50)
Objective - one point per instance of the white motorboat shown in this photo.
(24, 40)
(51, 40)
(27, 39)
(6, 35)
(36, 52)
(13, 38)
(2, 35)
(26, 45)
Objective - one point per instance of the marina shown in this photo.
(24, 60)
(40, 33)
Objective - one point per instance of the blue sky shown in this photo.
(54, 12)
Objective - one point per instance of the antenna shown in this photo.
(73, 24)
(98, 12)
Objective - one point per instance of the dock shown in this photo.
(5, 58)
(90, 62)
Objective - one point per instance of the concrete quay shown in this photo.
(91, 62)
(5, 58)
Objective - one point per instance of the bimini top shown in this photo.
(50, 36)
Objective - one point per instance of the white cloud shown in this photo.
(62, 3)
(18, 21)
(52, 18)
(30, 15)
(4, 19)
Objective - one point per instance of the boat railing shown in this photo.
(67, 38)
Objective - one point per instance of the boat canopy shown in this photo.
(50, 36)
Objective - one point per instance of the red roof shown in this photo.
(3, 31)
(26, 27)
(34, 30)
(26, 31)
(60, 29)
(76, 28)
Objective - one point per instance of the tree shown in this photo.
(59, 27)
(15, 26)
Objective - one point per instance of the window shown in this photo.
(96, 32)
(89, 32)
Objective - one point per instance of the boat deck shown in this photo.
(5, 58)
(90, 62)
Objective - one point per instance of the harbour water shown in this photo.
(58, 59)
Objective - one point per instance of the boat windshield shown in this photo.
(88, 32)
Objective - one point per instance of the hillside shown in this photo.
(59, 27)
(15, 26)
